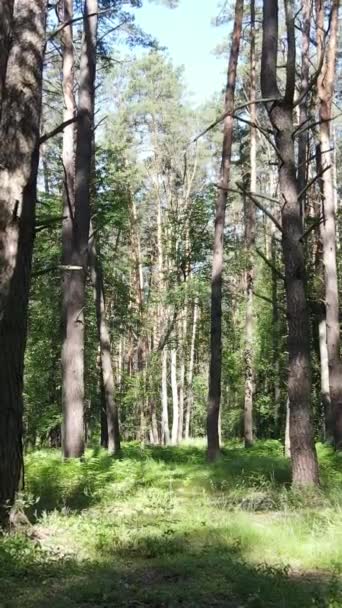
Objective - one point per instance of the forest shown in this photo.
(170, 325)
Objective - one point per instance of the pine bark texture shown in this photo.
(164, 400)
(19, 156)
(6, 24)
(175, 400)
(190, 373)
(107, 374)
(214, 396)
(250, 229)
(325, 89)
(280, 111)
(75, 276)
(303, 140)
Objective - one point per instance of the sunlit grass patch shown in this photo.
(159, 526)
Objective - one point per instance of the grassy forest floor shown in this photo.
(160, 527)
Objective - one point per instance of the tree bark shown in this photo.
(73, 344)
(6, 24)
(190, 375)
(164, 400)
(250, 228)
(303, 140)
(303, 453)
(325, 89)
(325, 388)
(183, 331)
(287, 446)
(19, 157)
(214, 396)
(174, 391)
(107, 375)
(275, 337)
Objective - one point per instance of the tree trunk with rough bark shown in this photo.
(250, 228)
(325, 89)
(214, 395)
(183, 331)
(164, 399)
(275, 336)
(303, 140)
(19, 156)
(190, 374)
(107, 375)
(6, 24)
(73, 343)
(325, 388)
(280, 111)
(174, 392)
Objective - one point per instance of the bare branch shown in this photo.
(268, 262)
(268, 300)
(76, 20)
(312, 227)
(225, 114)
(312, 181)
(57, 130)
(261, 207)
(43, 224)
(311, 83)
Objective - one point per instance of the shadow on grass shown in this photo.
(171, 572)
(77, 485)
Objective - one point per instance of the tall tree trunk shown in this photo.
(107, 375)
(190, 375)
(214, 396)
(6, 23)
(164, 400)
(19, 156)
(183, 331)
(325, 389)
(73, 344)
(328, 429)
(174, 391)
(303, 140)
(275, 336)
(280, 111)
(250, 228)
(70, 358)
(326, 84)
(287, 445)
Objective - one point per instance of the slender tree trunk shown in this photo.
(73, 344)
(326, 84)
(19, 156)
(303, 140)
(111, 409)
(321, 317)
(190, 390)
(275, 337)
(181, 395)
(214, 396)
(325, 389)
(164, 400)
(183, 330)
(174, 391)
(303, 453)
(70, 357)
(287, 446)
(250, 227)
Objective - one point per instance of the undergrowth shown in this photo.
(160, 527)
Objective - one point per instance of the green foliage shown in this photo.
(229, 534)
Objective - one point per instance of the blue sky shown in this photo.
(188, 34)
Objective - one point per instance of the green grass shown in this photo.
(160, 527)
